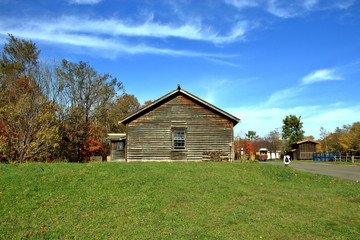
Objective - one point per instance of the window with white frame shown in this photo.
(178, 139)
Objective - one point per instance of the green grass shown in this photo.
(174, 201)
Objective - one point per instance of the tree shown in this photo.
(251, 135)
(107, 117)
(350, 140)
(147, 103)
(18, 67)
(19, 58)
(239, 146)
(53, 110)
(85, 93)
(292, 129)
(124, 105)
(324, 134)
(274, 141)
(29, 127)
(312, 138)
(334, 139)
(250, 150)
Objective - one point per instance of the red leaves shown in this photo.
(249, 147)
(93, 145)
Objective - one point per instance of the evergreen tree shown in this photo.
(292, 129)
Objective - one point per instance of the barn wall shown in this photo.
(149, 137)
(306, 150)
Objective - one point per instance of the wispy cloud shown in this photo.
(274, 7)
(213, 88)
(115, 36)
(91, 2)
(111, 48)
(291, 101)
(322, 75)
(290, 9)
(192, 30)
(283, 96)
(309, 4)
(264, 119)
(344, 4)
(313, 117)
(241, 4)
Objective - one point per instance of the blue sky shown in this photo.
(258, 60)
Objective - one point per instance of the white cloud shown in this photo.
(309, 4)
(290, 9)
(115, 27)
(111, 48)
(329, 119)
(214, 88)
(344, 4)
(91, 2)
(114, 36)
(240, 4)
(321, 75)
(282, 12)
(221, 62)
(263, 119)
(283, 96)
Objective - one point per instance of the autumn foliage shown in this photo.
(55, 112)
(343, 139)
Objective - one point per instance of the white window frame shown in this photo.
(178, 138)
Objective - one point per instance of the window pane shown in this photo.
(179, 134)
(120, 146)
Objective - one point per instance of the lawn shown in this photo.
(174, 201)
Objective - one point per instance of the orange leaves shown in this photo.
(249, 147)
(147, 102)
(350, 140)
(93, 145)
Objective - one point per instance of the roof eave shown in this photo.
(146, 107)
(134, 115)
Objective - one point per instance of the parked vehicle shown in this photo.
(262, 154)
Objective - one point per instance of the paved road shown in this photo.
(347, 172)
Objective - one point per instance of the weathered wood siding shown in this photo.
(305, 151)
(149, 137)
(115, 154)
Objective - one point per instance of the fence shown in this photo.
(327, 157)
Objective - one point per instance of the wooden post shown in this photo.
(353, 159)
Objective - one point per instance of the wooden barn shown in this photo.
(303, 150)
(179, 127)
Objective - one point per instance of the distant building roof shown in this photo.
(304, 141)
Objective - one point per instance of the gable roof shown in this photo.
(172, 95)
(304, 141)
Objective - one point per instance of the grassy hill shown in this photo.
(174, 201)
